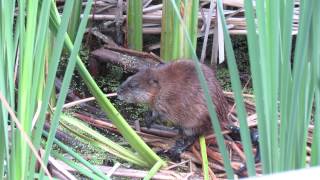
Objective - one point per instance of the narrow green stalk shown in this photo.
(53, 96)
(6, 63)
(153, 170)
(315, 151)
(4, 155)
(285, 74)
(135, 24)
(9, 46)
(25, 81)
(300, 63)
(253, 43)
(75, 20)
(205, 163)
(266, 126)
(273, 45)
(20, 29)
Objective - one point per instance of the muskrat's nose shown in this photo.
(119, 91)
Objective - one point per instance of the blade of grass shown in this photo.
(25, 92)
(273, 21)
(315, 148)
(75, 20)
(265, 128)
(299, 65)
(8, 48)
(285, 74)
(255, 67)
(315, 151)
(205, 163)
(306, 100)
(6, 59)
(39, 54)
(153, 170)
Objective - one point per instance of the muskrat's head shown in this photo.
(139, 88)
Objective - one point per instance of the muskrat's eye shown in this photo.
(153, 81)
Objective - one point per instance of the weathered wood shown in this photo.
(134, 173)
(129, 62)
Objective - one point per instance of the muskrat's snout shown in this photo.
(138, 88)
(124, 93)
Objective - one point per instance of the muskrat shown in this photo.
(173, 92)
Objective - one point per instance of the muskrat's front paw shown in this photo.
(148, 124)
(174, 154)
(149, 119)
(234, 129)
(161, 152)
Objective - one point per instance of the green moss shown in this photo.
(242, 59)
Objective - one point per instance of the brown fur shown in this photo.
(173, 92)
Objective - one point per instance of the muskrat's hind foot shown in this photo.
(235, 132)
(235, 135)
(255, 141)
(180, 146)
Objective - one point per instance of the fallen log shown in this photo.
(130, 60)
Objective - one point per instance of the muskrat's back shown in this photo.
(173, 92)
